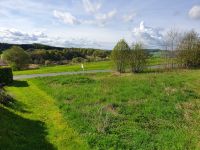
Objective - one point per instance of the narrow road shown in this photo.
(17, 77)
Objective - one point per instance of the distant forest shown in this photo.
(41, 54)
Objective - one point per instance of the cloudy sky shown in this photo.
(95, 23)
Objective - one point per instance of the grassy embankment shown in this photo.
(103, 65)
(102, 111)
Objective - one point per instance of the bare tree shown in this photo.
(172, 41)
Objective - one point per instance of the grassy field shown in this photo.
(103, 65)
(157, 61)
(104, 111)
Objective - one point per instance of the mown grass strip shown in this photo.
(41, 107)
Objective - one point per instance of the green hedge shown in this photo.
(6, 75)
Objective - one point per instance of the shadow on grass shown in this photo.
(17, 106)
(20, 133)
(18, 83)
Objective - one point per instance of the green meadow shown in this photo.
(104, 111)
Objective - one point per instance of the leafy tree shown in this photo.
(138, 58)
(120, 55)
(16, 57)
(189, 50)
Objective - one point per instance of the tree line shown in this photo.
(19, 59)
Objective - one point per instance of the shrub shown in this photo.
(4, 97)
(6, 75)
(120, 55)
(16, 57)
(138, 58)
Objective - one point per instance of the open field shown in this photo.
(105, 111)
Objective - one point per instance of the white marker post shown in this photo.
(82, 66)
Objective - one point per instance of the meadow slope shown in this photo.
(105, 111)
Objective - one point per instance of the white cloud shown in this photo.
(194, 12)
(99, 19)
(66, 17)
(102, 19)
(91, 7)
(15, 36)
(129, 18)
(18, 37)
(151, 37)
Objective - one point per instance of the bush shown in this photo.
(16, 57)
(6, 75)
(138, 58)
(4, 97)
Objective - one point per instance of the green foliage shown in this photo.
(39, 56)
(5, 99)
(138, 58)
(120, 55)
(6, 75)
(16, 57)
(78, 60)
(189, 50)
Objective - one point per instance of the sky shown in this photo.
(95, 23)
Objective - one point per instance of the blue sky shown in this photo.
(95, 23)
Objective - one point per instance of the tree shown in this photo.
(120, 55)
(138, 58)
(16, 57)
(189, 50)
(172, 40)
